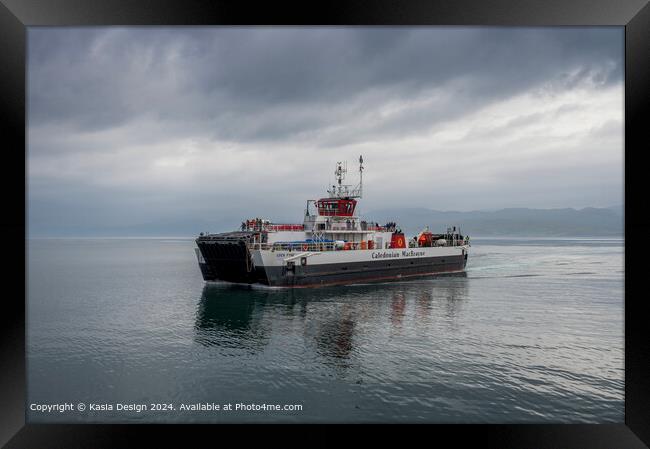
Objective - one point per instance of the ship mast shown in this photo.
(339, 172)
(344, 190)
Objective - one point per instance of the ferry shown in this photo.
(332, 246)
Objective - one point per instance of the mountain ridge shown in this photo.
(514, 221)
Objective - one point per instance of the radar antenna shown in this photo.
(340, 171)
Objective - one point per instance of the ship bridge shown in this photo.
(337, 211)
(336, 207)
(334, 217)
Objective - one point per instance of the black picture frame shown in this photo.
(16, 15)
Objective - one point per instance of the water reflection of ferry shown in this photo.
(331, 246)
(327, 319)
(227, 323)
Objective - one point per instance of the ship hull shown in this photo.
(362, 272)
(229, 260)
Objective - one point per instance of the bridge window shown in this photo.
(335, 206)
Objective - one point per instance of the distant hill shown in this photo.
(520, 222)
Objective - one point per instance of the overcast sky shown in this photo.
(144, 124)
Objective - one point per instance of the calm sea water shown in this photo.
(533, 333)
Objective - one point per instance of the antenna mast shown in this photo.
(342, 190)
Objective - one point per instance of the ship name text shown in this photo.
(389, 255)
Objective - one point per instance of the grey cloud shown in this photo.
(229, 79)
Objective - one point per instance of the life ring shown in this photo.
(305, 247)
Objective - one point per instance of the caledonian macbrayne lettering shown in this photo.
(386, 254)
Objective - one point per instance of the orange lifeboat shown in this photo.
(425, 239)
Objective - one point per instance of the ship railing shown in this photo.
(451, 243)
(310, 247)
(253, 225)
(342, 228)
(284, 227)
(319, 246)
(332, 246)
(273, 227)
